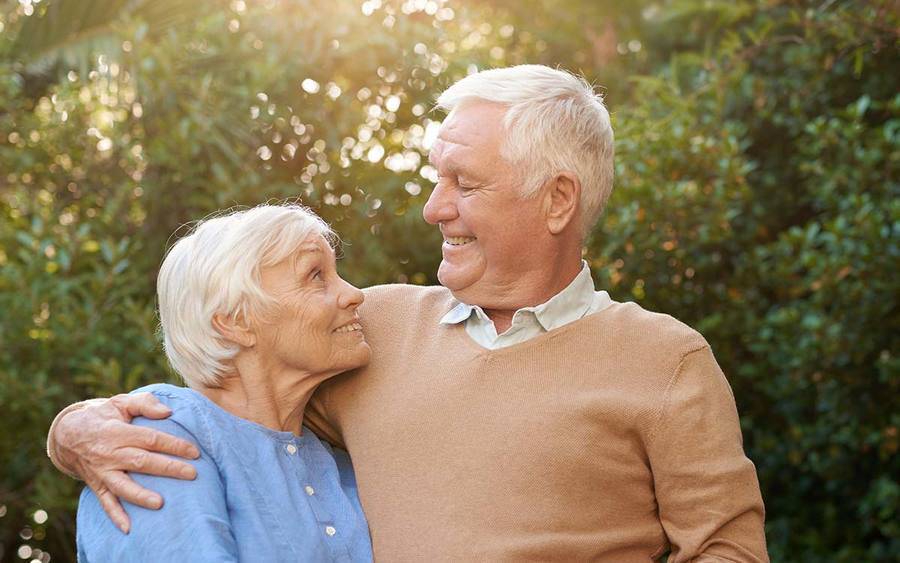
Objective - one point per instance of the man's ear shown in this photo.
(235, 330)
(563, 195)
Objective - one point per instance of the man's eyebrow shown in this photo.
(451, 165)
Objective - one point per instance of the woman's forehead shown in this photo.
(313, 249)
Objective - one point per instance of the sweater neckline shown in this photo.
(482, 352)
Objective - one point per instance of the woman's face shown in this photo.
(314, 325)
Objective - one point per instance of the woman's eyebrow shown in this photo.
(307, 258)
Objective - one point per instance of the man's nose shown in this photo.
(441, 205)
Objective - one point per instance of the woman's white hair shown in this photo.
(216, 269)
(554, 122)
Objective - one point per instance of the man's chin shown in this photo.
(464, 288)
(454, 278)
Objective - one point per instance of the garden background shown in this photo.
(756, 199)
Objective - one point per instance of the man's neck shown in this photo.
(502, 317)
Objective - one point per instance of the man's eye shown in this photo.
(317, 275)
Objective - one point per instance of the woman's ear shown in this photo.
(562, 201)
(234, 329)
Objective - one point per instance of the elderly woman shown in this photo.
(254, 317)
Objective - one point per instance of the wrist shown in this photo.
(52, 445)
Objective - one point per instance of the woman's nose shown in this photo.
(350, 296)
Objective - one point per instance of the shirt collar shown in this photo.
(568, 305)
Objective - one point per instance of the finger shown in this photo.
(160, 442)
(142, 404)
(124, 487)
(150, 463)
(113, 508)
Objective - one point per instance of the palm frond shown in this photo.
(74, 32)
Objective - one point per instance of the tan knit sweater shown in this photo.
(613, 438)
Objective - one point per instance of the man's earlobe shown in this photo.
(234, 329)
(563, 198)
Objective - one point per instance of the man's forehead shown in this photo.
(472, 123)
(448, 154)
(462, 137)
(436, 153)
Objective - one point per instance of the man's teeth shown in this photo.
(349, 328)
(458, 241)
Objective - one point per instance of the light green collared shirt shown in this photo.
(576, 301)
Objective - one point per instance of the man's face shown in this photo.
(490, 231)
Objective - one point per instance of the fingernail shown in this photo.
(195, 453)
(188, 473)
(124, 527)
(154, 501)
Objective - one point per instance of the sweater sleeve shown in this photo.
(707, 491)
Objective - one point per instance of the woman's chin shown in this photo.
(356, 357)
(366, 353)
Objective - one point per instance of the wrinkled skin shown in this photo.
(298, 339)
(478, 196)
(516, 252)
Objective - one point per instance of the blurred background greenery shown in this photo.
(756, 199)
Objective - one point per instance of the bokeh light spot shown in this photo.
(310, 86)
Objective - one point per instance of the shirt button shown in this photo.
(330, 530)
(309, 490)
(291, 449)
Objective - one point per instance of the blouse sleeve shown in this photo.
(193, 523)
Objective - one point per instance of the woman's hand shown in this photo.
(98, 444)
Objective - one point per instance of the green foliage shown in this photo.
(756, 199)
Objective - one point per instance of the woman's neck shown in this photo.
(272, 396)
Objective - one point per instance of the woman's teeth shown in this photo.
(349, 328)
(458, 241)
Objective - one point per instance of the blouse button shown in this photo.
(291, 449)
(330, 530)
(309, 490)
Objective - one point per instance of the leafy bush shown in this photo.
(756, 199)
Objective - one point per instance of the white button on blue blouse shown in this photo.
(259, 495)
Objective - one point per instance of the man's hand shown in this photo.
(98, 444)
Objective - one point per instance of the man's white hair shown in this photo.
(216, 269)
(554, 122)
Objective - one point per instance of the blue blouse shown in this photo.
(259, 495)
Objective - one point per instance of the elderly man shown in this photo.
(514, 413)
